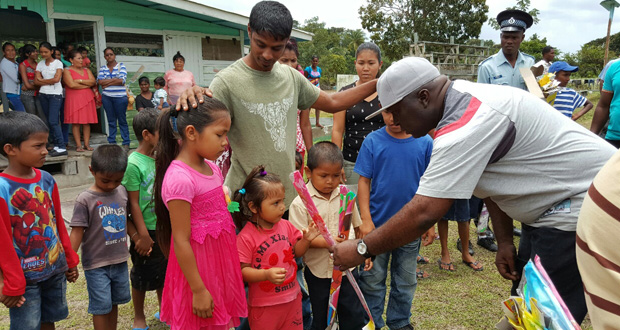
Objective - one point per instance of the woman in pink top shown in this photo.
(80, 109)
(178, 79)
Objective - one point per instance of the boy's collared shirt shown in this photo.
(34, 246)
(567, 100)
(318, 260)
(140, 176)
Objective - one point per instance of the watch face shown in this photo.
(361, 248)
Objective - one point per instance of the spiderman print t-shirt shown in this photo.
(269, 248)
(104, 218)
(33, 245)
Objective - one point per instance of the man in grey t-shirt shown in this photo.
(500, 144)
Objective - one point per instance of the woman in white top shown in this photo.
(47, 76)
(10, 76)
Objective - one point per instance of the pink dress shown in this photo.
(80, 105)
(213, 241)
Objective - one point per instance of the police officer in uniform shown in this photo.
(503, 67)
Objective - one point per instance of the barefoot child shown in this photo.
(381, 152)
(324, 168)
(267, 251)
(36, 258)
(203, 287)
(149, 263)
(99, 225)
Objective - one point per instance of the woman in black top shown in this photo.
(143, 100)
(351, 124)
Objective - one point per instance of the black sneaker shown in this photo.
(471, 247)
(56, 153)
(516, 232)
(407, 327)
(487, 243)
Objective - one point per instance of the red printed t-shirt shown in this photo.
(34, 244)
(269, 248)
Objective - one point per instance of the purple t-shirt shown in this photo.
(104, 218)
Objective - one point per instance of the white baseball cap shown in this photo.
(402, 78)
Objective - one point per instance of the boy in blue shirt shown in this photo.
(567, 99)
(390, 164)
(36, 258)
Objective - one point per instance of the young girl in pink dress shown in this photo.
(203, 288)
(267, 248)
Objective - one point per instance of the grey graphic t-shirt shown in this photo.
(263, 106)
(104, 218)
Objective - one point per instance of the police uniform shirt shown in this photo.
(497, 70)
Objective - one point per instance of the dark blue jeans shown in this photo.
(116, 110)
(52, 106)
(16, 102)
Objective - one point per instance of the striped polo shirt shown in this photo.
(119, 71)
(567, 100)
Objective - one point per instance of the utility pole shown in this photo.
(610, 5)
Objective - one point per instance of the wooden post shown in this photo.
(611, 16)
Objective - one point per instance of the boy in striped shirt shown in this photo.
(567, 99)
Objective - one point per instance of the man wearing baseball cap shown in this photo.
(503, 145)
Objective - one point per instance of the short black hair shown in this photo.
(82, 49)
(7, 44)
(271, 17)
(17, 127)
(110, 48)
(144, 79)
(145, 120)
(64, 46)
(547, 50)
(160, 81)
(109, 158)
(324, 152)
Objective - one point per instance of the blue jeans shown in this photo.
(52, 106)
(16, 102)
(402, 286)
(46, 302)
(116, 110)
(107, 286)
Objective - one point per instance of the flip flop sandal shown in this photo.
(147, 328)
(472, 265)
(443, 264)
(422, 274)
(422, 260)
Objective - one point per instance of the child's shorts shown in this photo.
(46, 302)
(107, 286)
(459, 211)
(285, 316)
(148, 272)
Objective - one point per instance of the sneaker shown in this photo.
(487, 243)
(407, 327)
(471, 247)
(516, 232)
(57, 152)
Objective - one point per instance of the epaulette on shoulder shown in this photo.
(487, 59)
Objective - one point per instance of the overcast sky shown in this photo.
(567, 24)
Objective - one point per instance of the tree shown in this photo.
(393, 23)
(521, 5)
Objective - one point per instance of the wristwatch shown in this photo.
(362, 249)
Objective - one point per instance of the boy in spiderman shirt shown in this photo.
(36, 258)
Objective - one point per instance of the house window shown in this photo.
(133, 44)
(221, 49)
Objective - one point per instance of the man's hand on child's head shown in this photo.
(368, 264)
(12, 301)
(276, 275)
(190, 96)
(143, 245)
(72, 274)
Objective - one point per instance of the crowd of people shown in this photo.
(230, 244)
